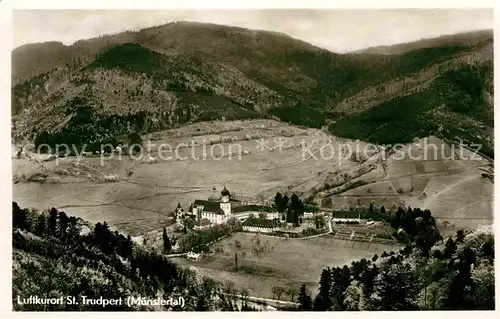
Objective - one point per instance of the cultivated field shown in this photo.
(137, 196)
(264, 261)
(452, 188)
(146, 192)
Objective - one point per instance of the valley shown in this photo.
(245, 167)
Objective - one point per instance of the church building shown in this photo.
(219, 209)
(217, 212)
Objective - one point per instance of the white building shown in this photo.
(346, 217)
(179, 212)
(261, 225)
(193, 256)
(312, 214)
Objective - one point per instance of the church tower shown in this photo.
(225, 204)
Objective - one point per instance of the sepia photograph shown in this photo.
(252, 160)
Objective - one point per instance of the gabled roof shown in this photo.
(208, 205)
(261, 222)
(346, 214)
(253, 208)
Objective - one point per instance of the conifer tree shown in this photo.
(323, 301)
(167, 245)
(305, 301)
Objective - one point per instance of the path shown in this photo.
(429, 201)
(267, 300)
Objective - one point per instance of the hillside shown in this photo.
(57, 255)
(452, 98)
(460, 39)
(101, 89)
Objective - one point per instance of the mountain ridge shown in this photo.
(466, 37)
(184, 72)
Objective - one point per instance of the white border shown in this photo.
(5, 162)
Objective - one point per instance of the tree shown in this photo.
(295, 210)
(319, 222)
(396, 288)
(433, 296)
(403, 237)
(228, 287)
(460, 235)
(382, 210)
(487, 248)
(189, 224)
(19, 217)
(460, 292)
(426, 238)
(483, 280)
(52, 221)
(296, 204)
(292, 291)
(354, 297)
(127, 247)
(279, 203)
(323, 300)
(341, 279)
(286, 201)
(244, 296)
(278, 291)
(73, 228)
(62, 226)
(235, 261)
(305, 301)
(167, 245)
(450, 248)
(40, 227)
(135, 141)
(371, 208)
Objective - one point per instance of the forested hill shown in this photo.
(460, 39)
(430, 273)
(102, 88)
(57, 255)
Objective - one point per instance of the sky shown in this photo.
(335, 30)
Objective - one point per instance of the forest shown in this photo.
(55, 254)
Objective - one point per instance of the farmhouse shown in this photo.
(263, 225)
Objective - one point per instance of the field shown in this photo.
(279, 261)
(146, 192)
(451, 187)
(141, 201)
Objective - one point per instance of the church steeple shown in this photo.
(225, 203)
(225, 192)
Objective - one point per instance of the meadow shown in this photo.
(265, 261)
(145, 192)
